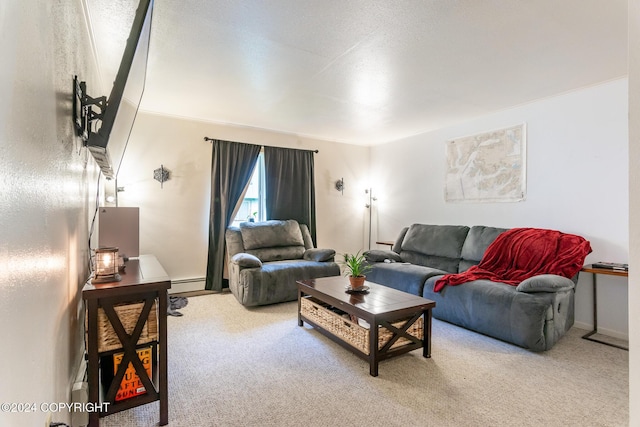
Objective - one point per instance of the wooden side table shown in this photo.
(385, 242)
(144, 280)
(594, 272)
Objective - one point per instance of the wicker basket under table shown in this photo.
(128, 314)
(350, 331)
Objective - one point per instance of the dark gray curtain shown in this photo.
(290, 186)
(232, 164)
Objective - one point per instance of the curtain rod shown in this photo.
(206, 138)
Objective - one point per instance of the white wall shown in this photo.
(174, 219)
(577, 182)
(634, 212)
(46, 188)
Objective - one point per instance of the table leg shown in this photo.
(426, 334)
(588, 335)
(373, 349)
(93, 376)
(595, 309)
(595, 303)
(163, 387)
(300, 295)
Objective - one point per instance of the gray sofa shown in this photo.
(534, 314)
(266, 258)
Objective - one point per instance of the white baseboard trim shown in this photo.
(603, 331)
(81, 373)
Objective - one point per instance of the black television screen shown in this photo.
(108, 143)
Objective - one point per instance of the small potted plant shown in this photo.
(355, 269)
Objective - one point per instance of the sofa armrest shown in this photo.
(545, 283)
(319, 255)
(378, 255)
(245, 260)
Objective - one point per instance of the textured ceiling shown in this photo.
(364, 71)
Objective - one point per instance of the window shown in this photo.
(253, 206)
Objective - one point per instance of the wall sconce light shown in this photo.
(161, 174)
(106, 266)
(113, 198)
(340, 185)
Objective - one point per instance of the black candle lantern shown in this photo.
(106, 267)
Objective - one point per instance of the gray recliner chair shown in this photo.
(266, 258)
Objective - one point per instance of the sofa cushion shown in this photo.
(276, 281)
(496, 309)
(476, 243)
(545, 283)
(319, 255)
(246, 260)
(269, 234)
(377, 255)
(397, 245)
(278, 254)
(436, 246)
(402, 276)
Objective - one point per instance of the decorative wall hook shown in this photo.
(161, 175)
(340, 185)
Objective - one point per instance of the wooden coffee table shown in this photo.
(391, 322)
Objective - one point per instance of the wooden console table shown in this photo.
(594, 272)
(144, 280)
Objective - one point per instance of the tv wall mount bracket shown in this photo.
(87, 111)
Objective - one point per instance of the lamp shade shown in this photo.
(106, 266)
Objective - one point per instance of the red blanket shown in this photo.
(520, 253)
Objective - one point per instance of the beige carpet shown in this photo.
(233, 366)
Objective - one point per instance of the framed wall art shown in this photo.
(487, 167)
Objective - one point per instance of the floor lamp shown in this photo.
(369, 206)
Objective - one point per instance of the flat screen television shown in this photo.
(108, 142)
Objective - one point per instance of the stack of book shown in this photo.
(611, 266)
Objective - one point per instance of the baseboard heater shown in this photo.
(80, 395)
(192, 280)
(187, 285)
